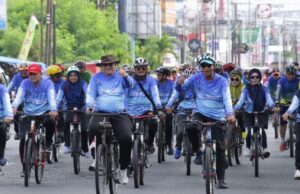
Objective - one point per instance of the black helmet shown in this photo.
(290, 69)
(79, 64)
(163, 70)
(140, 62)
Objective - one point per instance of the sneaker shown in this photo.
(92, 166)
(222, 184)
(283, 146)
(3, 161)
(266, 153)
(198, 159)
(297, 175)
(123, 176)
(17, 136)
(151, 149)
(247, 152)
(86, 154)
(67, 150)
(22, 174)
(177, 153)
(170, 151)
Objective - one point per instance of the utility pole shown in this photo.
(41, 32)
(48, 32)
(54, 32)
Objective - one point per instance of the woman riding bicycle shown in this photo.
(254, 98)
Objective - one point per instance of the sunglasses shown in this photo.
(254, 77)
(141, 68)
(32, 74)
(109, 64)
(235, 80)
(203, 65)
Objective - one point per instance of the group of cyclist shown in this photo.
(209, 91)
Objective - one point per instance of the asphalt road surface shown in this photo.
(276, 176)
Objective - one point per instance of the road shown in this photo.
(276, 176)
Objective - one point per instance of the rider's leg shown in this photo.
(297, 155)
(169, 132)
(84, 133)
(2, 140)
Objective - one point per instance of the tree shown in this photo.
(155, 48)
(82, 31)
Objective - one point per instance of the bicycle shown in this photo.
(292, 140)
(139, 155)
(34, 152)
(276, 122)
(107, 156)
(160, 141)
(209, 147)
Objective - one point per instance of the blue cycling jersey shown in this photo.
(165, 90)
(15, 82)
(287, 89)
(5, 105)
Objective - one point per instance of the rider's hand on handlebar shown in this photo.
(161, 114)
(169, 110)
(7, 120)
(231, 118)
(276, 109)
(53, 114)
(285, 116)
(89, 110)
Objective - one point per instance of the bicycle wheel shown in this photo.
(188, 154)
(75, 150)
(112, 161)
(291, 139)
(209, 179)
(55, 148)
(256, 155)
(238, 148)
(28, 161)
(160, 146)
(101, 170)
(143, 163)
(229, 145)
(39, 164)
(136, 162)
(276, 124)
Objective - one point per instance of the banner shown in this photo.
(3, 15)
(249, 35)
(28, 38)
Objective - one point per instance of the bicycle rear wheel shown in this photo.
(238, 148)
(209, 178)
(101, 170)
(39, 164)
(136, 163)
(256, 155)
(229, 140)
(28, 161)
(75, 150)
(188, 154)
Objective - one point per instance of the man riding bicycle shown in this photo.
(286, 88)
(106, 94)
(213, 103)
(38, 95)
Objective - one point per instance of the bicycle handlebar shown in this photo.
(206, 124)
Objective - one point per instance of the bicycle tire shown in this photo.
(238, 149)
(136, 163)
(143, 163)
(39, 165)
(291, 139)
(276, 125)
(75, 150)
(55, 148)
(28, 161)
(229, 139)
(110, 171)
(256, 155)
(209, 179)
(188, 155)
(160, 144)
(101, 170)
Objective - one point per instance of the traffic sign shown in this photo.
(194, 44)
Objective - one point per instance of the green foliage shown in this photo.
(83, 32)
(154, 49)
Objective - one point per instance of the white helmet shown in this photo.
(73, 68)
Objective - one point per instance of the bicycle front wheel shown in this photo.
(188, 154)
(28, 161)
(238, 148)
(112, 163)
(160, 144)
(256, 155)
(39, 164)
(208, 171)
(136, 163)
(101, 170)
(75, 150)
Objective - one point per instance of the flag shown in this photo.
(28, 38)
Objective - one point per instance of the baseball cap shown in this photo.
(34, 68)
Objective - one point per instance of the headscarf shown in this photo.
(236, 91)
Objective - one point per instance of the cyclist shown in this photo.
(236, 87)
(219, 70)
(254, 98)
(55, 73)
(165, 89)
(273, 82)
(286, 88)
(106, 93)
(174, 74)
(137, 101)
(6, 115)
(245, 77)
(213, 103)
(266, 76)
(295, 106)
(38, 96)
(13, 88)
(182, 102)
(84, 74)
(72, 93)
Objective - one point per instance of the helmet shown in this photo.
(218, 65)
(236, 72)
(290, 69)
(140, 62)
(163, 70)
(206, 59)
(73, 68)
(23, 67)
(53, 69)
(188, 72)
(79, 64)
